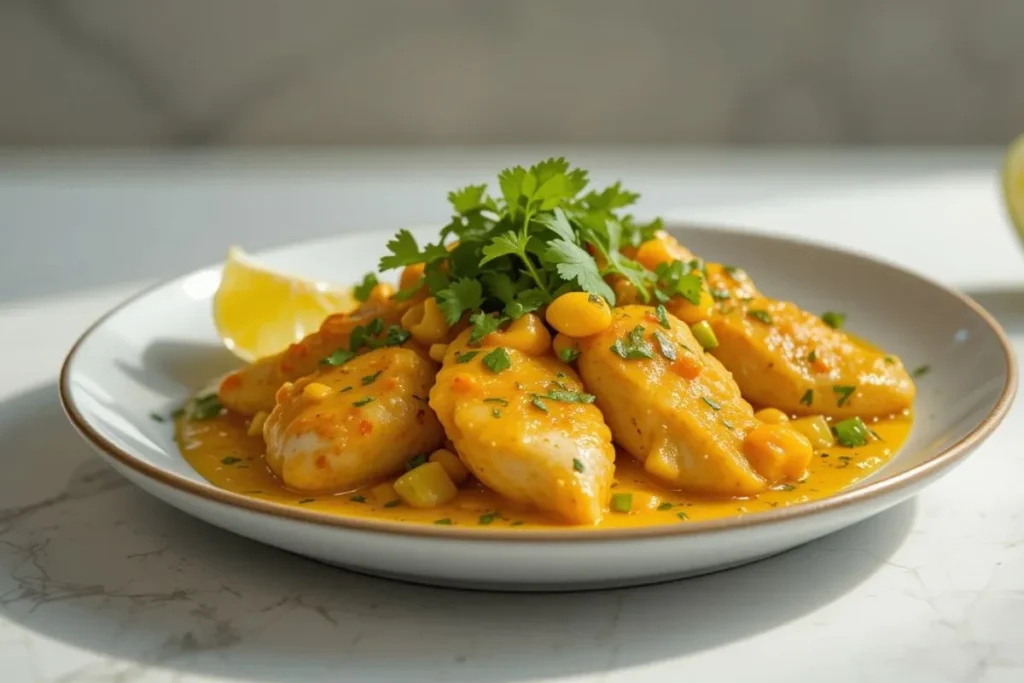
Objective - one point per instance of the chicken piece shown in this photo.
(251, 389)
(521, 431)
(670, 405)
(784, 357)
(346, 426)
(794, 362)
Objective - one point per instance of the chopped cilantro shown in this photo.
(662, 314)
(230, 460)
(633, 346)
(489, 517)
(833, 319)
(808, 398)
(370, 379)
(415, 461)
(363, 401)
(843, 393)
(577, 465)
(568, 354)
(761, 314)
(496, 399)
(921, 370)
(443, 522)
(465, 357)
(668, 349)
(498, 360)
(206, 407)
(363, 289)
(358, 499)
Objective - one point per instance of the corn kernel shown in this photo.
(772, 416)
(816, 429)
(579, 314)
(527, 334)
(256, 426)
(315, 391)
(456, 471)
(691, 313)
(778, 452)
(427, 486)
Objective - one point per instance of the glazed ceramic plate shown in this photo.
(154, 351)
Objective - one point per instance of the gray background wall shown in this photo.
(270, 72)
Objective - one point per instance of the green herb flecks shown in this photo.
(415, 461)
(466, 357)
(633, 346)
(370, 379)
(662, 314)
(665, 345)
(497, 360)
(843, 393)
(568, 354)
(761, 315)
(362, 291)
(808, 398)
(833, 319)
(206, 407)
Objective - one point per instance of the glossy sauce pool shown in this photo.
(220, 450)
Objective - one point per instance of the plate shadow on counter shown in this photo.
(92, 562)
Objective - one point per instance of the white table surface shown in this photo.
(99, 582)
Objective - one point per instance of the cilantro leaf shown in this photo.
(405, 252)
(483, 324)
(573, 263)
(500, 286)
(525, 302)
(613, 197)
(363, 289)
(497, 360)
(503, 245)
(464, 294)
(558, 223)
(469, 198)
(510, 181)
(674, 280)
(633, 346)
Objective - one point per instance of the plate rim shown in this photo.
(945, 459)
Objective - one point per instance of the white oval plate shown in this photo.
(152, 352)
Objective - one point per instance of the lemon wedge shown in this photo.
(259, 312)
(1013, 184)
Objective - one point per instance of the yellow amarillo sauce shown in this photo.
(220, 450)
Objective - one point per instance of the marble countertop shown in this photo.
(100, 582)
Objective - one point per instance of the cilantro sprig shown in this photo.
(503, 256)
